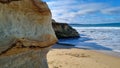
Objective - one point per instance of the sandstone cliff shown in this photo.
(63, 30)
(25, 26)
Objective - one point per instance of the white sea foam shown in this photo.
(116, 50)
(96, 27)
(104, 36)
(98, 38)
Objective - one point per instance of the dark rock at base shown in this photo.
(63, 30)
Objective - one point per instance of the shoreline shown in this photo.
(111, 53)
(61, 56)
(67, 46)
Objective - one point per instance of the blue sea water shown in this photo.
(97, 25)
(96, 38)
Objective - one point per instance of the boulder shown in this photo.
(26, 33)
(64, 30)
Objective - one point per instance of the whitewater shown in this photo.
(96, 38)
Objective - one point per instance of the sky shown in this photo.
(85, 11)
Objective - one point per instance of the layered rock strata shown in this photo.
(26, 33)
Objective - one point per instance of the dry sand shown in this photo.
(80, 58)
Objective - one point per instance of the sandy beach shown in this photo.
(70, 57)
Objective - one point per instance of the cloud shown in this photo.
(113, 10)
(66, 11)
(77, 11)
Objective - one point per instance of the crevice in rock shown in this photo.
(18, 47)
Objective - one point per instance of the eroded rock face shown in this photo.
(63, 30)
(24, 25)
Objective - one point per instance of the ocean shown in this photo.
(100, 37)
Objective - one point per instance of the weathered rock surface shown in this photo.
(29, 58)
(24, 24)
(63, 30)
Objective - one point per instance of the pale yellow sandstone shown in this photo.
(26, 33)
